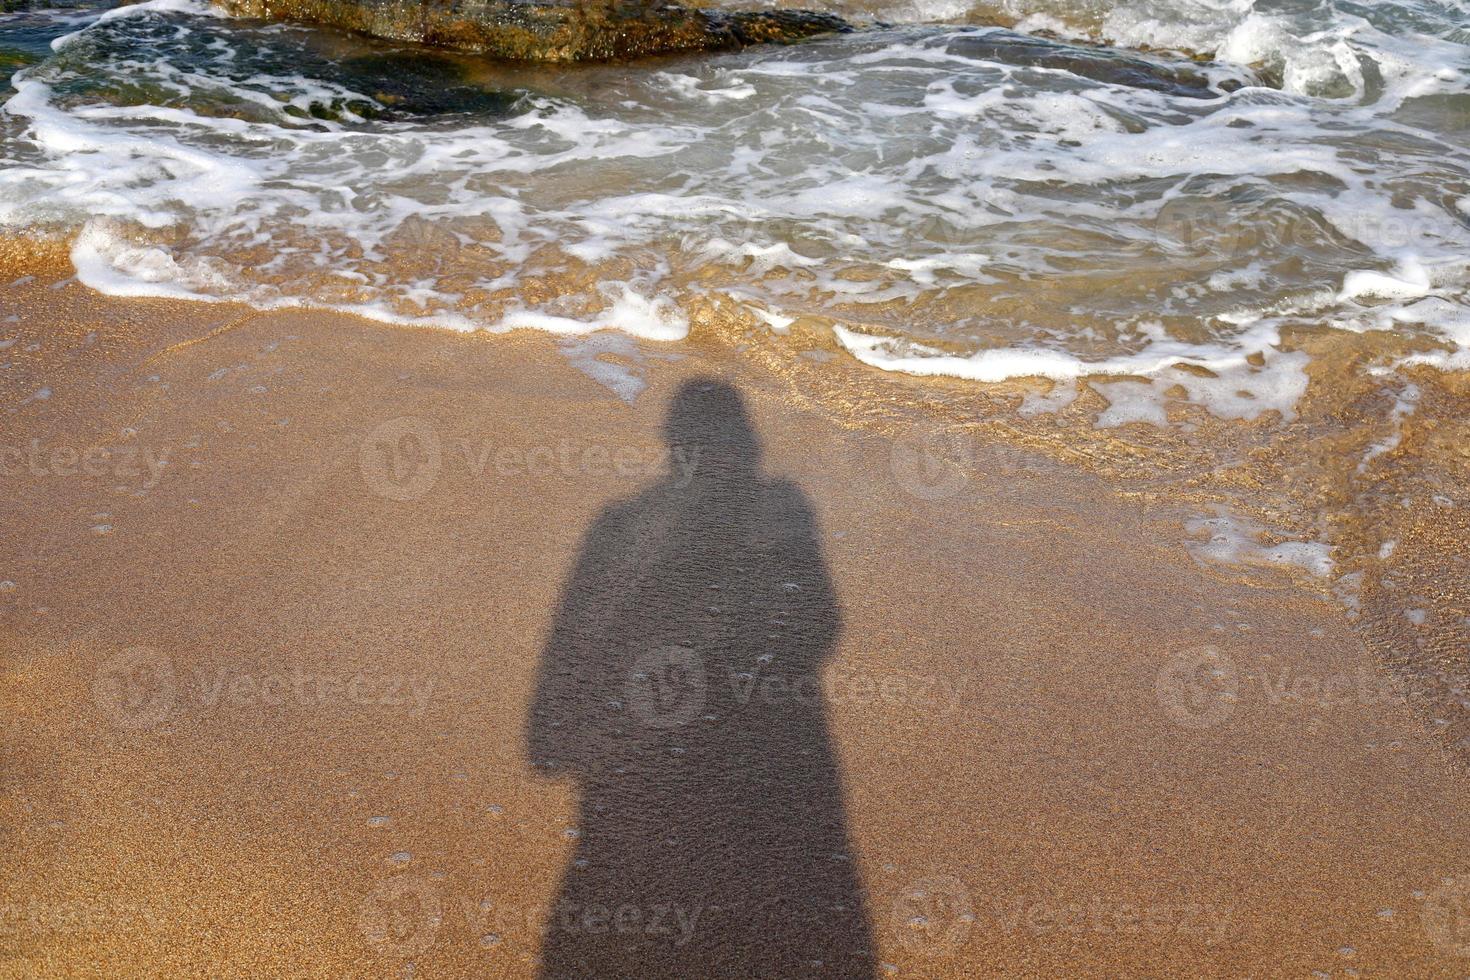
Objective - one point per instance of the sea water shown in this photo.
(1160, 190)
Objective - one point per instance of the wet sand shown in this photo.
(1061, 745)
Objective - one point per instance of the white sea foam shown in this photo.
(1232, 540)
(1406, 402)
(612, 360)
(1234, 388)
(198, 8)
(953, 210)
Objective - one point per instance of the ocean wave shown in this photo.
(945, 199)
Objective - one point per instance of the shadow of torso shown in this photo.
(680, 689)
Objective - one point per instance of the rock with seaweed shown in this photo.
(541, 31)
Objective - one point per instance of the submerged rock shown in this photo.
(537, 30)
(1107, 65)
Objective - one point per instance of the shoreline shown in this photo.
(1021, 642)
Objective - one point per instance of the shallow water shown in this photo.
(948, 198)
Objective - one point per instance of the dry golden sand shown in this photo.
(1027, 791)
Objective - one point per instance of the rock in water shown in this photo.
(1112, 67)
(537, 30)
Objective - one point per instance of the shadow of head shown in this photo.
(708, 424)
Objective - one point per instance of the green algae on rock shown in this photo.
(534, 30)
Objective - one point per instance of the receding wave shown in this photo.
(940, 198)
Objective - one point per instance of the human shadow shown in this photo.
(680, 688)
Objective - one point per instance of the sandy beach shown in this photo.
(295, 666)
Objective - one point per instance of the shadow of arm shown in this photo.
(575, 677)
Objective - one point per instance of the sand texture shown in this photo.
(427, 654)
